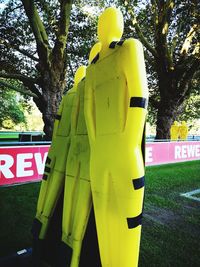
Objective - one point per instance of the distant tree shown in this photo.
(170, 33)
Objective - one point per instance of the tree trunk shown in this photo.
(51, 103)
(165, 117)
(168, 111)
(52, 83)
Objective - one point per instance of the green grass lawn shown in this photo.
(171, 223)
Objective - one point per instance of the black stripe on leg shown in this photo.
(138, 183)
(44, 177)
(134, 222)
(48, 160)
(47, 169)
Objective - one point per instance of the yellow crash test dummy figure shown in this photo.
(174, 131)
(116, 96)
(183, 131)
(77, 193)
(54, 172)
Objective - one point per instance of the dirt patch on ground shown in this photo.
(161, 216)
(169, 218)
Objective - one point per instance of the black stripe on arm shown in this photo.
(138, 183)
(134, 222)
(120, 43)
(112, 45)
(138, 102)
(58, 117)
(95, 59)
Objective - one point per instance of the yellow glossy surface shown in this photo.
(77, 194)
(174, 131)
(52, 187)
(115, 133)
(183, 131)
(94, 51)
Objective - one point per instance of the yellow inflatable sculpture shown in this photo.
(174, 131)
(77, 194)
(115, 104)
(54, 172)
(183, 131)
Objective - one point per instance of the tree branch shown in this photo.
(188, 40)
(7, 85)
(187, 77)
(20, 77)
(175, 39)
(60, 43)
(139, 31)
(22, 51)
(38, 29)
(165, 12)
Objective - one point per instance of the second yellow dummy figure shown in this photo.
(77, 193)
(116, 96)
(54, 173)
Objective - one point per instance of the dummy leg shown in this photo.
(118, 208)
(77, 206)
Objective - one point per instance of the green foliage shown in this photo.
(12, 106)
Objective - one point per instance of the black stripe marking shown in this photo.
(47, 169)
(58, 117)
(36, 227)
(138, 183)
(135, 221)
(83, 79)
(95, 59)
(112, 45)
(48, 160)
(138, 102)
(120, 43)
(44, 177)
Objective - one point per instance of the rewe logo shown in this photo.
(23, 165)
(187, 151)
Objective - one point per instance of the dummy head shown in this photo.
(94, 51)
(183, 123)
(175, 123)
(79, 75)
(110, 25)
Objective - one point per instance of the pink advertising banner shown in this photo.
(19, 164)
(22, 164)
(172, 152)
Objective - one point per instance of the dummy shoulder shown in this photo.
(132, 43)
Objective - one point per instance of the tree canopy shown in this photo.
(43, 42)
